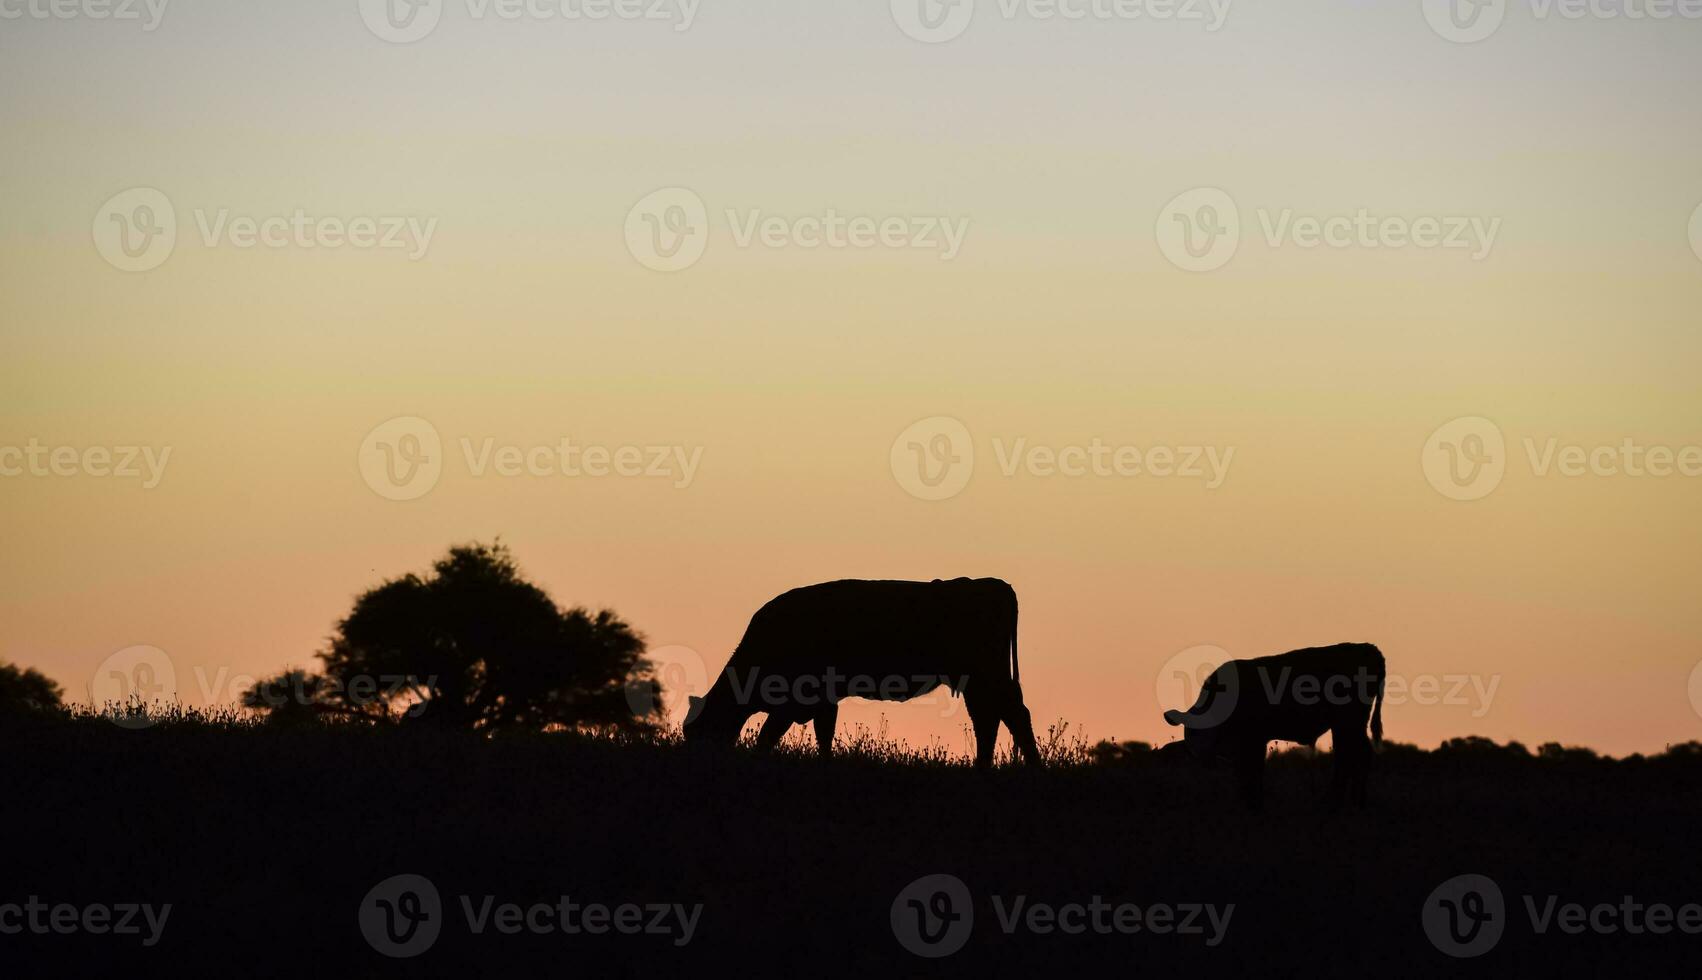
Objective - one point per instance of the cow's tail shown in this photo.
(1016, 671)
(1377, 706)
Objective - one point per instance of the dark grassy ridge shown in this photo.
(265, 842)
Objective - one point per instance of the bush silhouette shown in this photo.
(472, 645)
(27, 691)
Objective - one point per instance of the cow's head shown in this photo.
(712, 720)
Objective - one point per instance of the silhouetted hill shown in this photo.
(267, 840)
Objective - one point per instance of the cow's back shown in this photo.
(877, 627)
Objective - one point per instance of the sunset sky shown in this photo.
(789, 371)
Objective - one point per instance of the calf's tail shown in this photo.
(1016, 671)
(1377, 706)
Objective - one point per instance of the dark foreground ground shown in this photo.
(266, 844)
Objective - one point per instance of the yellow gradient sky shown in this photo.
(1061, 321)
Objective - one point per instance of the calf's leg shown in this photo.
(1249, 762)
(1352, 762)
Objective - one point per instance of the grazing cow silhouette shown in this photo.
(1291, 697)
(809, 648)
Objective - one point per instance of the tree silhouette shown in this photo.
(472, 645)
(26, 690)
(294, 697)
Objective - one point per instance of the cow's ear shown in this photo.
(1173, 717)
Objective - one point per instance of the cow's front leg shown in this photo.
(773, 728)
(984, 718)
(825, 721)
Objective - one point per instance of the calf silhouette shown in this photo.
(1291, 697)
(806, 650)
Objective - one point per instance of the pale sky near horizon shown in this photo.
(1058, 146)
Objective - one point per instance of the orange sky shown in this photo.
(1064, 153)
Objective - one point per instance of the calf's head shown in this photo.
(1198, 735)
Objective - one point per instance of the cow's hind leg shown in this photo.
(1021, 724)
(825, 721)
(774, 727)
